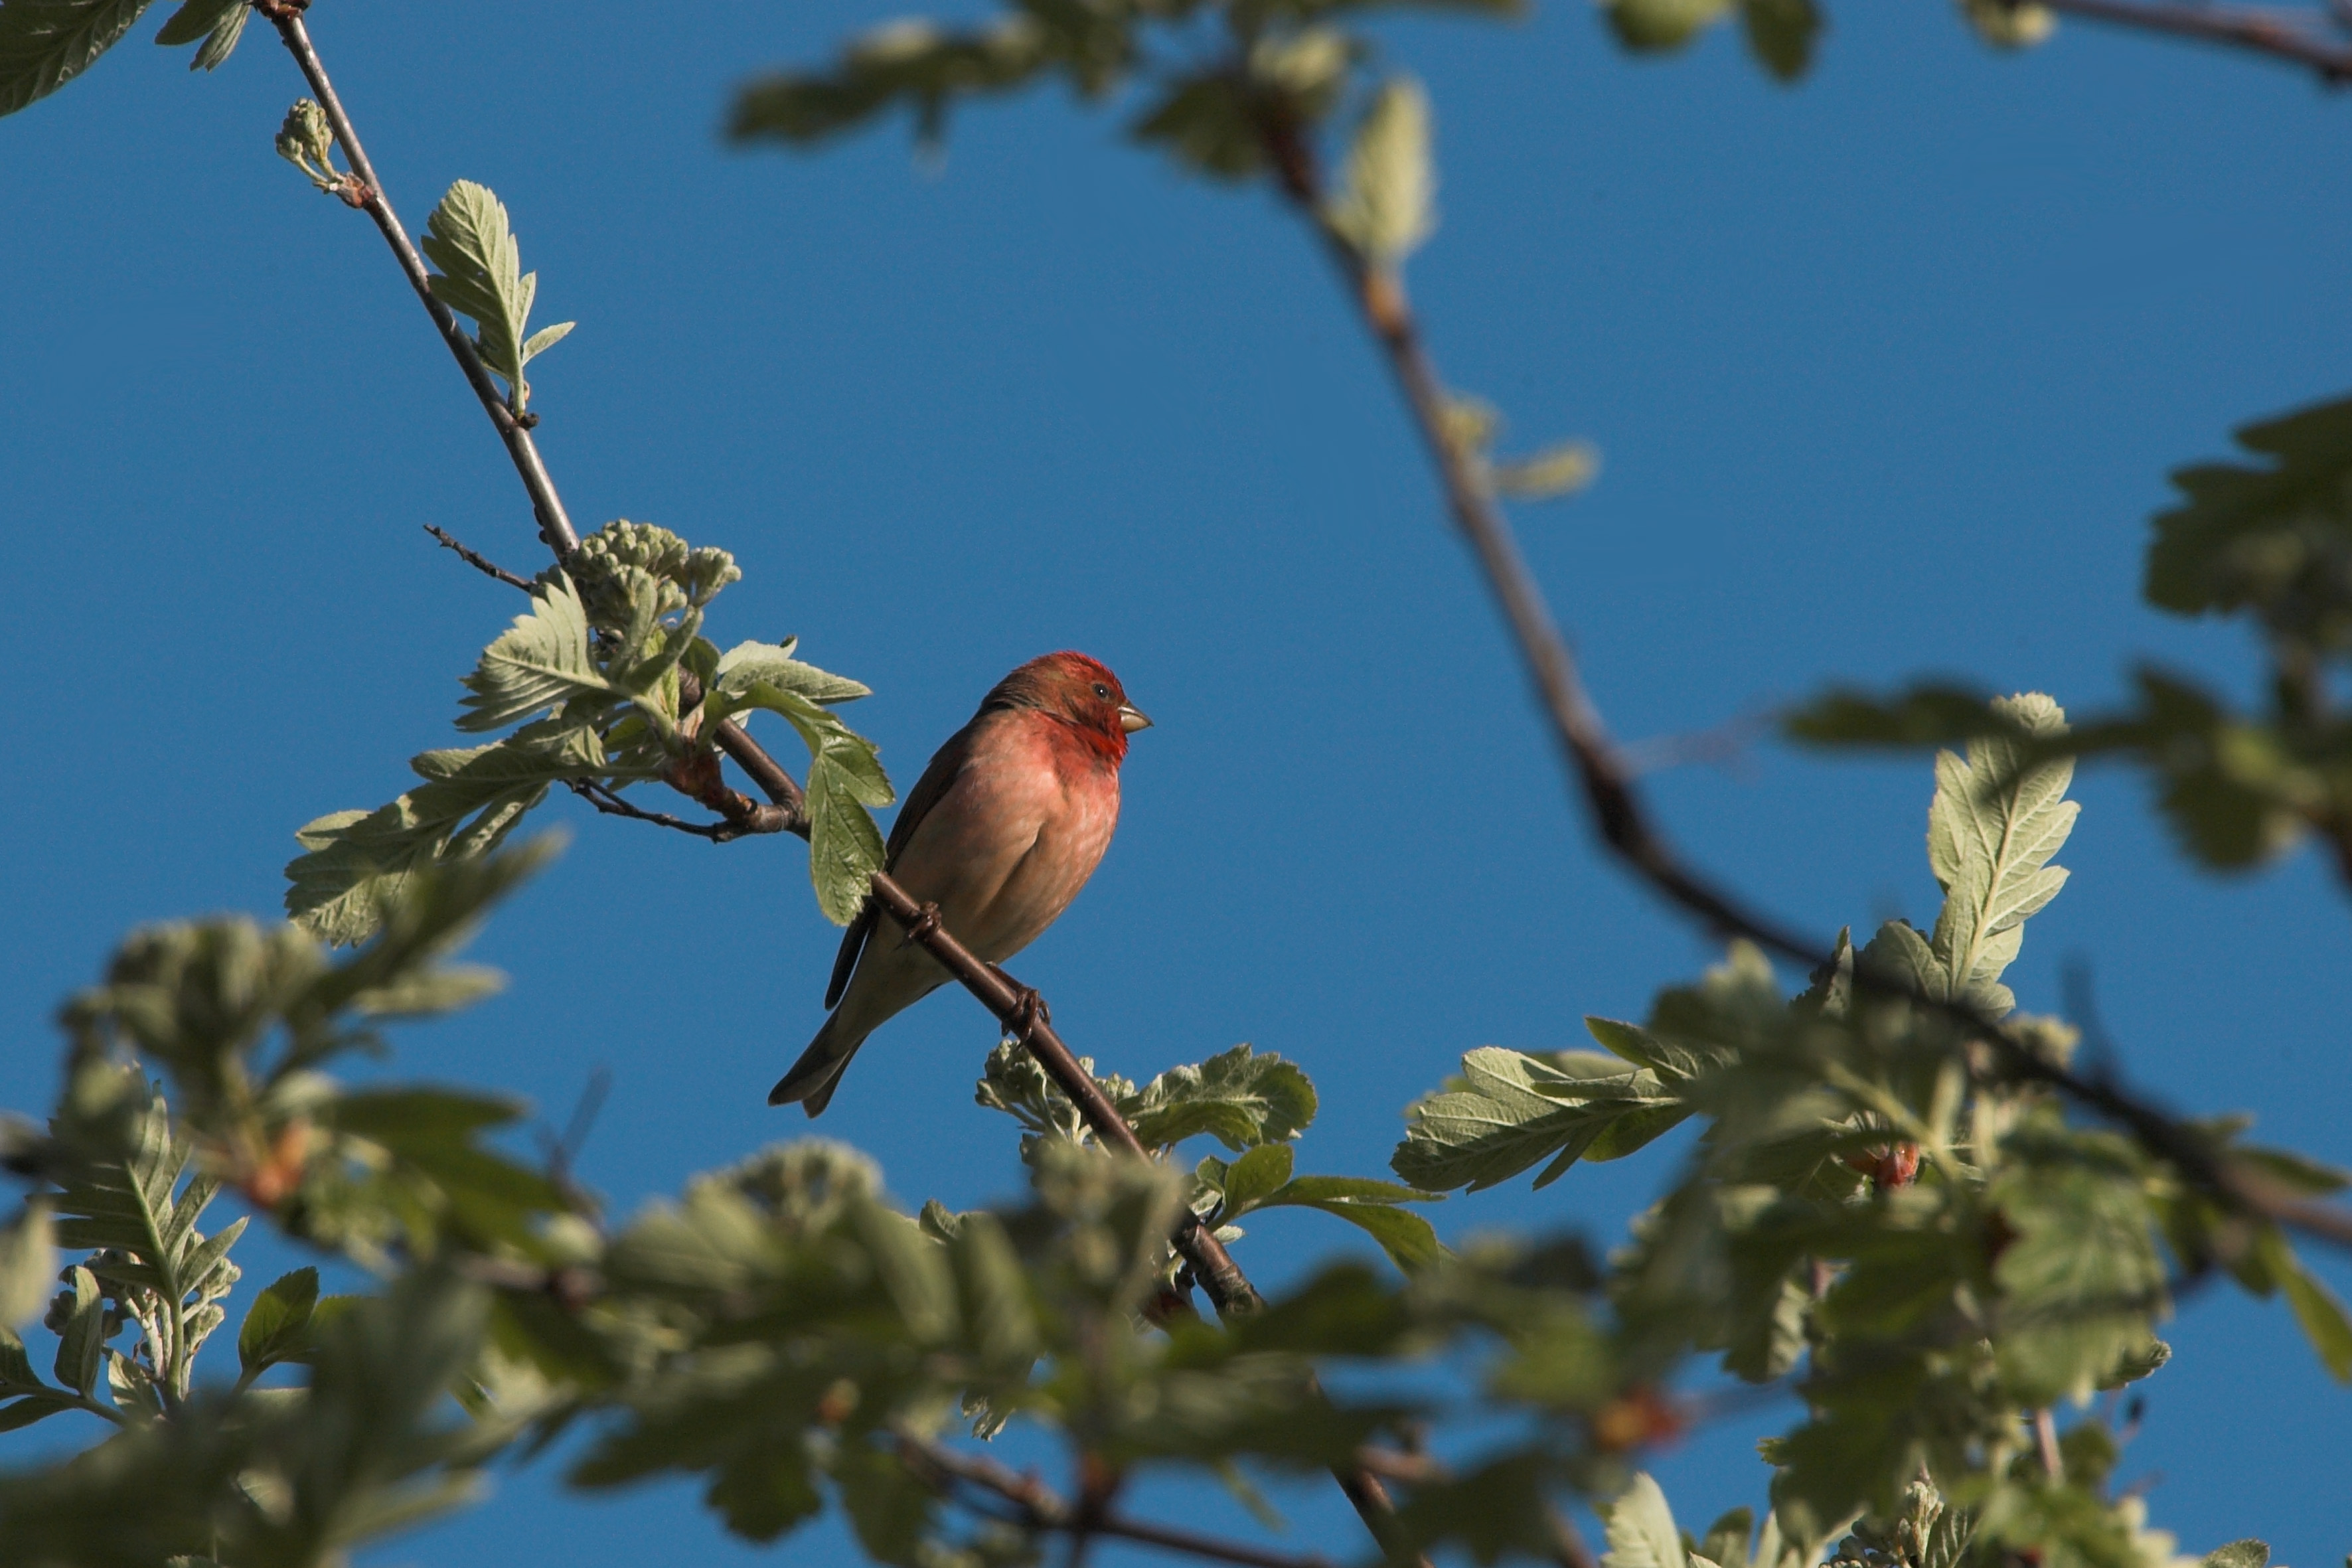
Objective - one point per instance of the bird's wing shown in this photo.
(945, 764)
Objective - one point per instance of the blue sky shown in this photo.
(1887, 371)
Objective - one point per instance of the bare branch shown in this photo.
(478, 562)
(611, 805)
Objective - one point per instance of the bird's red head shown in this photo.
(1081, 691)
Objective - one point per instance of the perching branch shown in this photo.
(1020, 1009)
(1618, 812)
(1036, 1506)
(2262, 33)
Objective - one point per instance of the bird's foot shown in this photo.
(925, 923)
(1029, 1008)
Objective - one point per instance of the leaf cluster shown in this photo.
(1932, 1253)
(606, 679)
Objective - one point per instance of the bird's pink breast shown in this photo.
(1017, 834)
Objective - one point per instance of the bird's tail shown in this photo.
(817, 1074)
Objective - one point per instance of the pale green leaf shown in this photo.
(1642, 1531)
(29, 1263)
(468, 238)
(1383, 208)
(1992, 827)
(542, 661)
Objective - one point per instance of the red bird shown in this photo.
(1004, 827)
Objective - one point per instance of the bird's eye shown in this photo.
(1102, 691)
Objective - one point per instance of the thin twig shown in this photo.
(611, 805)
(1616, 806)
(554, 523)
(1038, 1507)
(478, 562)
(2252, 31)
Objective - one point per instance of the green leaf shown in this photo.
(1253, 1177)
(910, 63)
(2082, 1284)
(845, 779)
(82, 1332)
(1642, 1531)
(29, 1263)
(2317, 1308)
(1410, 1240)
(1725, 1542)
(359, 863)
(1382, 206)
(219, 23)
(542, 661)
(1241, 1097)
(1513, 1109)
(1650, 27)
(2267, 539)
(44, 44)
(277, 1325)
(750, 665)
(1782, 35)
(1994, 824)
(481, 276)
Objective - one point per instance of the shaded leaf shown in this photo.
(44, 44)
(277, 1326)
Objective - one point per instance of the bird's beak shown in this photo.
(1131, 719)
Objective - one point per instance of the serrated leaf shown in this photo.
(361, 861)
(47, 44)
(1383, 209)
(546, 338)
(470, 239)
(1514, 1110)
(1994, 824)
(541, 661)
(1242, 1098)
(277, 1326)
(845, 779)
(748, 665)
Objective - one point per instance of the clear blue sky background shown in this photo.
(1888, 370)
